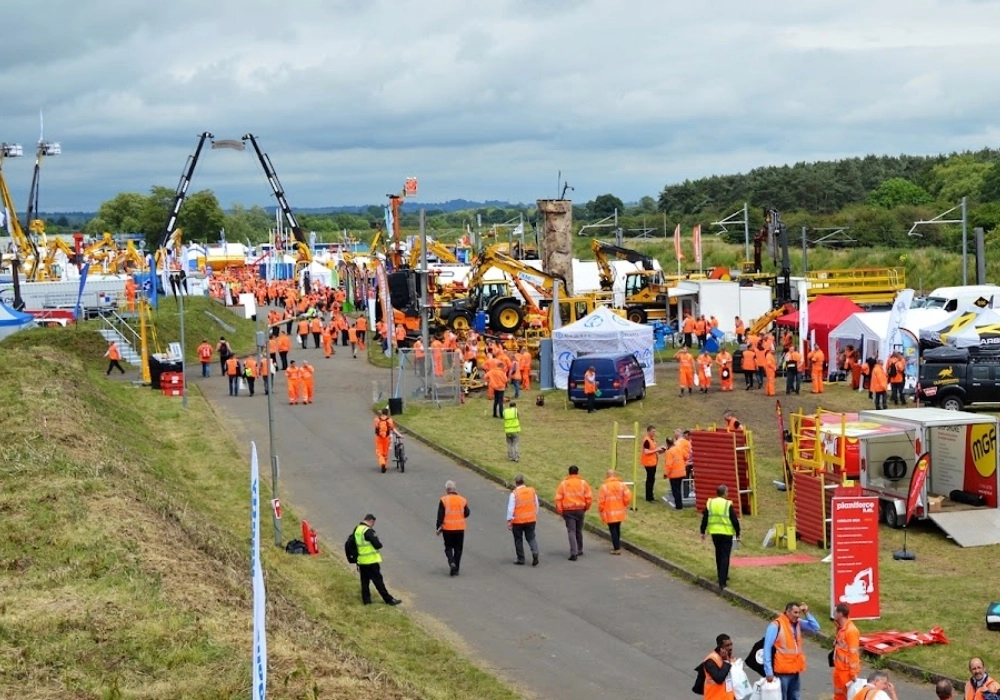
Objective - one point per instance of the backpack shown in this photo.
(351, 549)
(296, 547)
(893, 370)
(699, 681)
(382, 428)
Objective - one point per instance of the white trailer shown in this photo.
(964, 459)
(99, 294)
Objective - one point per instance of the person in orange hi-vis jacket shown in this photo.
(352, 339)
(284, 347)
(770, 371)
(524, 363)
(316, 328)
(264, 367)
(361, 328)
(327, 337)
(685, 370)
(437, 356)
(675, 470)
(130, 290)
(879, 385)
(816, 361)
(303, 332)
(725, 362)
(384, 427)
(704, 371)
(293, 377)
(496, 380)
(307, 382)
(205, 357)
(250, 372)
(114, 355)
(613, 499)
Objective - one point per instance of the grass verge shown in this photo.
(126, 563)
(940, 588)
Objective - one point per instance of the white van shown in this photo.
(956, 298)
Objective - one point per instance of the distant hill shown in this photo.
(411, 205)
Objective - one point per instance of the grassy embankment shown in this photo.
(125, 554)
(947, 585)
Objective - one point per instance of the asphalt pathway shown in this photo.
(599, 627)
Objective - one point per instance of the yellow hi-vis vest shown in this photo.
(718, 517)
(367, 554)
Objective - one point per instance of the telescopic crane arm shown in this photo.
(775, 227)
(279, 193)
(182, 189)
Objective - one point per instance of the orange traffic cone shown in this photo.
(309, 537)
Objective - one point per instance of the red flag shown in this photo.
(917, 484)
(696, 239)
(677, 243)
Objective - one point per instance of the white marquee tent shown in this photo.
(601, 332)
(867, 330)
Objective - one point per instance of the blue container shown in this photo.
(479, 322)
(660, 335)
(711, 344)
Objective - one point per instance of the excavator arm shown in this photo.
(761, 324)
(25, 249)
(439, 250)
(601, 252)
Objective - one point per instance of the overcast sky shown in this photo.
(486, 100)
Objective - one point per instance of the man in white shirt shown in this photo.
(877, 688)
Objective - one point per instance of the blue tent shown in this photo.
(12, 321)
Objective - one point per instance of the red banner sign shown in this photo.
(854, 575)
(917, 482)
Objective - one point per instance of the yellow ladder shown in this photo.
(616, 439)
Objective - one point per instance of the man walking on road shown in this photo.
(512, 432)
(384, 427)
(784, 658)
(846, 652)
(613, 499)
(453, 509)
(720, 521)
(718, 685)
(369, 562)
(573, 499)
(522, 514)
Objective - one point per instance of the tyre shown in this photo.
(460, 321)
(892, 518)
(625, 398)
(952, 403)
(642, 394)
(636, 314)
(506, 316)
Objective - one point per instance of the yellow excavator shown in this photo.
(435, 248)
(25, 254)
(646, 290)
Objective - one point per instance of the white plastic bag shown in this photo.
(738, 677)
(762, 690)
(855, 687)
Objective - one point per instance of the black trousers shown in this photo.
(723, 549)
(251, 381)
(524, 531)
(675, 491)
(315, 340)
(748, 375)
(650, 482)
(372, 573)
(497, 404)
(284, 358)
(792, 383)
(897, 393)
(616, 535)
(453, 543)
(113, 364)
(879, 400)
(591, 403)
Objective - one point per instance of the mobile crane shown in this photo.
(301, 242)
(36, 226)
(25, 251)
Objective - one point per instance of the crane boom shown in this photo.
(279, 193)
(26, 251)
(181, 193)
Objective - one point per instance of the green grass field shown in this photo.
(941, 588)
(125, 555)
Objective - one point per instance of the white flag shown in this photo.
(258, 669)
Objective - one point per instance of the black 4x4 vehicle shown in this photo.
(953, 378)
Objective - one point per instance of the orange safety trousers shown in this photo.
(382, 449)
(840, 681)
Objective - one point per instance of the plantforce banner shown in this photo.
(854, 576)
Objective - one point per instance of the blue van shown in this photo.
(620, 378)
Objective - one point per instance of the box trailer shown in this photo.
(963, 471)
(100, 293)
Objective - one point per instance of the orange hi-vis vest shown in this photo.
(846, 649)
(613, 499)
(454, 512)
(649, 460)
(250, 367)
(232, 367)
(718, 691)
(673, 463)
(525, 499)
(788, 655)
(383, 426)
(590, 383)
(573, 493)
(204, 352)
(113, 352)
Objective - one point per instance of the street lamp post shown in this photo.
(963, 205)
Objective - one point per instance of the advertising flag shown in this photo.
(696, 239)
(677, 243)
(79, 294)
(894, 335)
(803, 293)
(917, 482)
(259, 662)
(382, 283)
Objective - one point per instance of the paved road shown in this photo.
(599, 627)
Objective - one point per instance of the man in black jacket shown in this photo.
(718, 663)
(369, 562)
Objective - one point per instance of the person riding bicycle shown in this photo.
(384, 428)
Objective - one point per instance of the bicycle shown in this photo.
(399, 453)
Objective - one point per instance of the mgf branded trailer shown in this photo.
(964, 459)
